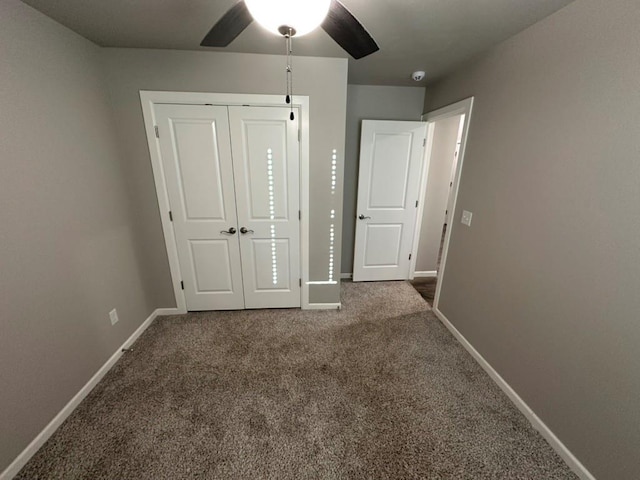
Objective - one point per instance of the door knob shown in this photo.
(362, 217)
(231, 231)
(244, 230)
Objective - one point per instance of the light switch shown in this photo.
(466, 218)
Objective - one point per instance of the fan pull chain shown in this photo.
(289, 97)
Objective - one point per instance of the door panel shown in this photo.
(261, 140)
(200, 177)
(266, 169)
(211, 252)
(390, 163)
(264, 257)
(382, 245)
(198, 169)
(391, 155)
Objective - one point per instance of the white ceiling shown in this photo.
(430, 35)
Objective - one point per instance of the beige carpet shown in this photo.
(377, 390)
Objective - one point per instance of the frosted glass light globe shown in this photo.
(302, 15)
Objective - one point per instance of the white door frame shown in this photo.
(463, 107)
(149, 99)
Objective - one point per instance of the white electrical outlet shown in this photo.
(466, 218)
(113, 315)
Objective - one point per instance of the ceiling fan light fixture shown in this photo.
(302, 16)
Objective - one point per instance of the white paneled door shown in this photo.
(266, 165)
(198, 167)
(391, 155)
(234, 211)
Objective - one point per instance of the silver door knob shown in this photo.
(231, 231)
(362, 217)
(244, 230)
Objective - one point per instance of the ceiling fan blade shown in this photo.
(228, 27)
(348, 32)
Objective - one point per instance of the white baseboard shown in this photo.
(320, 306)
(167, 311)
(425, 274)
(560, 448)
(22, 459)
(346, 275)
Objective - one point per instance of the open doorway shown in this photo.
(437, 204)
(441, 168)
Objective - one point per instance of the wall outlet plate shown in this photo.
(466, 218)
(113, 316)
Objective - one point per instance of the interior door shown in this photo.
(197, 163)
(267, 171)
(391, 155)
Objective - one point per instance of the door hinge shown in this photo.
(300, 281)
(299, 214)
(170, 216)
(409, 256)
(155, 127)
(182, 284)
(416, 203)
(424, 142)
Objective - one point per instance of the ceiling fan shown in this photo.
(294, 18)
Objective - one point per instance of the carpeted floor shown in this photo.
(378, 390)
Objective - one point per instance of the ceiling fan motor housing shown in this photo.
(286, 30)
(331, 15)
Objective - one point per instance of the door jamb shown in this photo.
(149, 99)
(463, 107)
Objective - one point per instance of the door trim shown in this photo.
(463, 107)
(425, 274)
(149, 99)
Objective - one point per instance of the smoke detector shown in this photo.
(417, 76)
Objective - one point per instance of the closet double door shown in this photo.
(232, 178)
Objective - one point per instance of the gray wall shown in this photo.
(367, 102)
(68, 252)
(80, 227)
(545, 282)
(324, 79)
(445, 138)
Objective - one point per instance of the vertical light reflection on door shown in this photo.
(272, 216)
